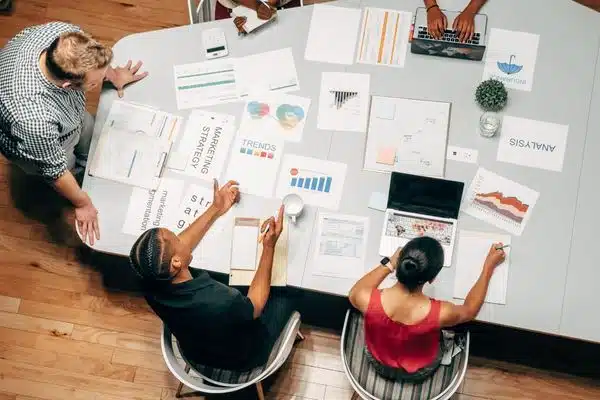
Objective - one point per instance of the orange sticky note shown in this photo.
(386, 155)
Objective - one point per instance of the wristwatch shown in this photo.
(385, 261)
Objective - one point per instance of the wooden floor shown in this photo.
(64, 336)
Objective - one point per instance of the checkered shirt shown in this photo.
(36, 116)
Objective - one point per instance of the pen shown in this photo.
(503, 247)
(264, 233)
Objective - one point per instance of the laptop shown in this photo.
(449, 46)
(421, 206)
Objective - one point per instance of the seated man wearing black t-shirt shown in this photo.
(215, 325)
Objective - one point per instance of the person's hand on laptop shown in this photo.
(464, 25)
(436, 22)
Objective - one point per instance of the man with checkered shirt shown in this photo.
(45, 72)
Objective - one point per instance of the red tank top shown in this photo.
(397, 345)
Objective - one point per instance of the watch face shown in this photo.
(385, 260)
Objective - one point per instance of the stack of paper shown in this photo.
(134, 145)
(473, 248)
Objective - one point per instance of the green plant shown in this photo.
(491, 95)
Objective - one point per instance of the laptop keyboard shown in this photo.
(407, 227)
(449, 36)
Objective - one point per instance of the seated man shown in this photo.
(464, 24)
(402, 324)
(215, 325)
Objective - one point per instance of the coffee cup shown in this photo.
(293, 206)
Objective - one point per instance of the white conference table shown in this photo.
(552, 275)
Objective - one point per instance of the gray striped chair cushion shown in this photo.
(368, 379)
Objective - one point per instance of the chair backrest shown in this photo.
(201, 11)
(445, 394)
(198, 383)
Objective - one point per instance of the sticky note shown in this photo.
(386, 155)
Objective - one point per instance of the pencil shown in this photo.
(503, 247)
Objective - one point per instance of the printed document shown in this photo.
(473, 248)
(332, 34)
(206, 83)
(255, 75)
(341, 245)
(344, 102)
(383, 38)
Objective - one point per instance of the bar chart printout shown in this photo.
(310, 180)
(318, 182)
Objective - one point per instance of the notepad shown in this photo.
(252, 20)
(473, 248)
(245, 243)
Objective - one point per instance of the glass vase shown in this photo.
(489, 124)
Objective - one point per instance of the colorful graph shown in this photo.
(288, 115)
(509, 207)
(310, 180)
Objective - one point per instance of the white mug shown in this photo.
(293, 206)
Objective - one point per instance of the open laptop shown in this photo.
(421, 206)
(449, 45)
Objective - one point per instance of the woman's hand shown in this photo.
(263, 11)
(225, 197)
(464, 25)
(495, 257)
(395, 258)
(436, 22)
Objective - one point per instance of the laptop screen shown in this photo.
(423, 195)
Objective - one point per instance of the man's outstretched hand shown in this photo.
(86, 218)
(225, 197)
(123, 76)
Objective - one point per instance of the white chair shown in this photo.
(201, 11)
(368, 385)
(210, 381)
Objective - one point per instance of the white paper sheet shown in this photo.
(152, 208)
(378, 201)
(344, 102)
(137, 118)
(131, 158)
(318, 182)
(473, 248)
(244, 247)
(416, 131)
(254, 77)
(206, 83)
(341, 245)
(510, 58)
(499, 201)
(254, 163)
(252, 20)
(278, 115)
(332, 34)
(533, 143)
(204, 146)
(383, 38)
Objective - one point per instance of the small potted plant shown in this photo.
(491, 95)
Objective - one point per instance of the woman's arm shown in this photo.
(360, 294)
(474, 6)
(452, 314)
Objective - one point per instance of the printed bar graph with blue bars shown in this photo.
(317, 183)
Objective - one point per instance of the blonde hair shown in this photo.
(73, 54)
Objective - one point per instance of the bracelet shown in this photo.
(430, 7)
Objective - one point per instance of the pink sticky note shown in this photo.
(386, 155)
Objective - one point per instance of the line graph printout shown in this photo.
(406, 135)
(206, 83)
(383, 38)
(318, 182)
(343, 102)
(499, 201)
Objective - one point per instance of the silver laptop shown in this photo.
(421, 206)
(449, 45)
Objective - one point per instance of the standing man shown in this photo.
(44, 129)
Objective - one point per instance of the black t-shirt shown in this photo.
(212, 322)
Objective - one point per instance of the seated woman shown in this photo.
(403, 325)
